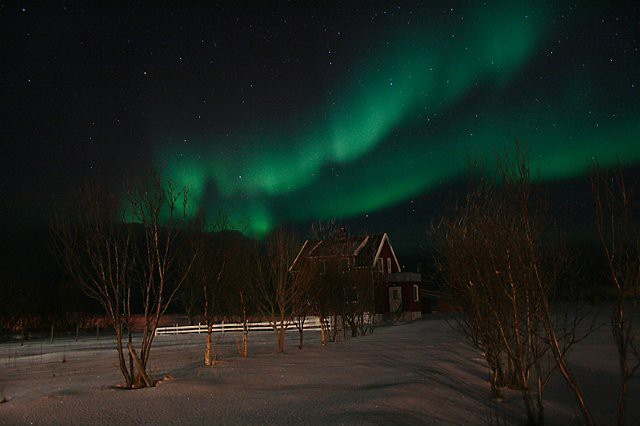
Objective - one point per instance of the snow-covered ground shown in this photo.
(415, 373)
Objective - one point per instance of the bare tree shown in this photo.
(466, 240)
(160, 210)
(106, 252)
(326, 230)
(277, 290)
(503, 273)
(306, 291)
(618, 224)
(358, 299)
(345, 292)
(237, 291)
(190, 295)
(94, 246)
(203, 285)
(544, 272)
(329, 299)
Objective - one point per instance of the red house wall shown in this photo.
(386, 253)
(407, 298)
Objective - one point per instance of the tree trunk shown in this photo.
(207, 353)
(563, 367)
(300, 320)
(245, 343)
(539, 402)
(323, 330)
(526, 394)
(500, 380)
(127, 374)
(528, 405)
(619, 335)
(130, 342)
(494, 375)
(494, 392)
(281, 338)
(624, 386)
(245, 328)
(335, 328)
(511, 379)
(142, 374)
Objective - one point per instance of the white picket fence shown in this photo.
(311, 323)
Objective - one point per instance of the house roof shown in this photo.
(364, 249)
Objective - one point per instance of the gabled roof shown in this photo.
(364, 249)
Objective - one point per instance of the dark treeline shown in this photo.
(34, 286)
(35, 293)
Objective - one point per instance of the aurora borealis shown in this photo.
(280, 115)
(406, 116)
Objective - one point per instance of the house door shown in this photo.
(395, 299)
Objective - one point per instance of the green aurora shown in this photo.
(405, 119)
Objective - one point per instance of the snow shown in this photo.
(414, 373)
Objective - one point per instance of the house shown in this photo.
(396, 293)
(406, 296)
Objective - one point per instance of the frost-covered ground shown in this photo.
(415, 373)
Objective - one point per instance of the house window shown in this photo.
(389, 264)
(395, 294)
(380, 265)
(416, 293)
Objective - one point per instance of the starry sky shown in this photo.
(283, 113)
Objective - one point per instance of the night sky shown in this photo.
(286, 113)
